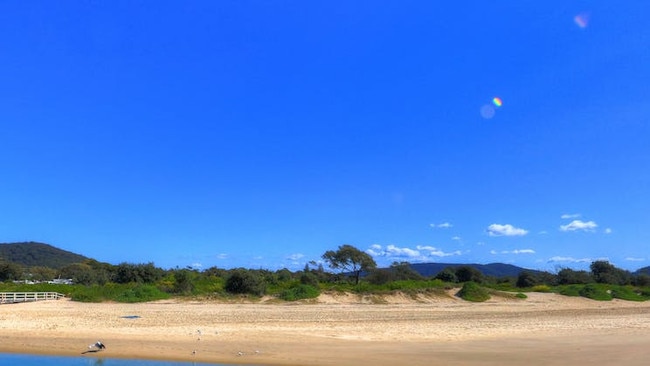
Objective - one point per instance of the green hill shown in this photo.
(32, 254)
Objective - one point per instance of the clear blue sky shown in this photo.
(263, 133)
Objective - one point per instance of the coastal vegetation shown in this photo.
(349, 271)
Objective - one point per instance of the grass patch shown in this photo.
(595, 292)
(569, 290)
(299, 292)
(521, 295)
(627, 293)
(471, 291)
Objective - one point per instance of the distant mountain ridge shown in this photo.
(491, 270)
(34, 254)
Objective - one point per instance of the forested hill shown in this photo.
(492, 269)
(644, 270)
(33, 254)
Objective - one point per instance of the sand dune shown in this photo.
(343, 329)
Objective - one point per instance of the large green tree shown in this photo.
(350, 259)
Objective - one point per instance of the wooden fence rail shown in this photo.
(13, 297)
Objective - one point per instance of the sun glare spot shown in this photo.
(487, 111)
(581, 20)
(497, 102)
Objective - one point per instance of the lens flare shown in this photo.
(581, 20)
(497, 102)
(487, 111)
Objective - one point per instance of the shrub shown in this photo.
(571, 290)
(299, 292)
(471, 291)
(141, 293)
(627, 293)
(595, 292)
(520, 295)
(541, 288)
(243, 281)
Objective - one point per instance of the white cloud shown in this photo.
(196, 265)
(295, 257)
(394, 251)
(222, 256)
(444, 225)
(608, 231)
(522, 251)
(516, 251)
(570, 216)
(456, 238)
(420, 253)
(569, 259)
(633, 259)
(505, 230)
(435, 252)
(576, 225)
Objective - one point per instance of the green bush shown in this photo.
(595, 292)
(471, 291)
(299, 292)
(570, 290)
(142, 293)
(541, 288)
(520, 295)
(244, 281)
(627, 293)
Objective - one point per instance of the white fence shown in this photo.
(13, 297)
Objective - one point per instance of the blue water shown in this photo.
(31, 360)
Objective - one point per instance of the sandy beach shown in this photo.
(544, 329)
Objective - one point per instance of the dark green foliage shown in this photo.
(595, 292)
(526, 279)
(520, 295)
(467, 274)
(31, 254)
(183, 281)
(80, 273)
(568, 276)
(350, 259)
(137, 273)
(604, 272)
(299, 292)
(308, 278)
(447, 275)
(242, 281)
(471, 291)
(10, 271)
(641, 280)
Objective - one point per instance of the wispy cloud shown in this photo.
(579, 225)
(607, 231)
(435, 252)
(505, 230)
(295, 257)
(633, 259)
(456, 238)
(444, 225)
(222, 256)
(570, 216)
(516, 251)
(196, 265)
(557, 259)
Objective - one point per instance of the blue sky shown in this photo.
(263, 133)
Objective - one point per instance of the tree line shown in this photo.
(347, 265)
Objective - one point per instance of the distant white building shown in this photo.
(61, 281)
